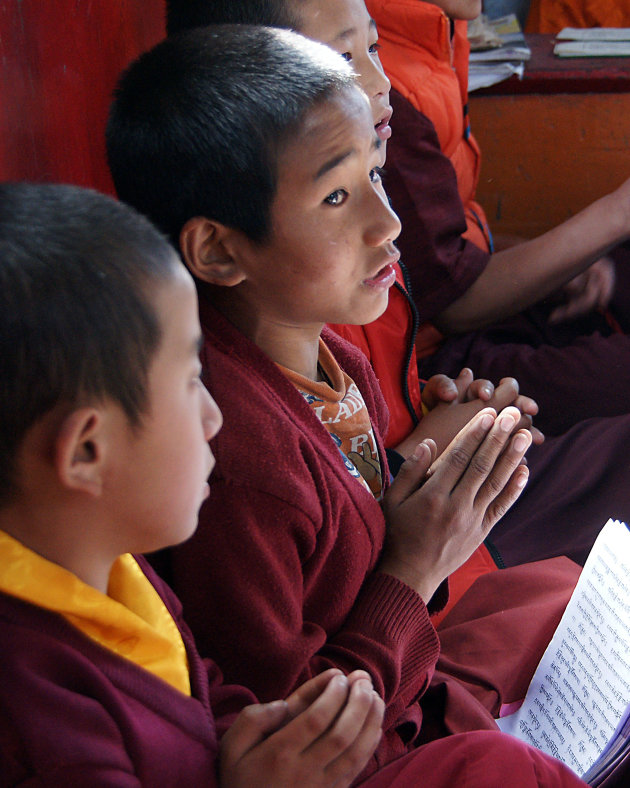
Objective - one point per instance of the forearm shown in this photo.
(522, 275)
(388, 629)
(274, 601)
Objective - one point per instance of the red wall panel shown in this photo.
(59, 61)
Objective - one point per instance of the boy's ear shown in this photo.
(206, 247)
(79, 451)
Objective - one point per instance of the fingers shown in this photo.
(411, 474)
(357, 675)
(526, 405)
(506, 481)
(307, 693)
(505, 393)
(494, 474)
(579, 304)
(471, 459)
(479, 388)
(590, 290)
(251, 726)
(354, 758)
(438, 388)
(329, 743)
(347, 746)
(452, 464)
(308, 726)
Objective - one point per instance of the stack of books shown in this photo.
(497, 51)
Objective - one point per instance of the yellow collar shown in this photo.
(130, 620)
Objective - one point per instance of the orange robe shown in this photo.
(550, 16)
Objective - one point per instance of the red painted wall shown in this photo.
(59, 62)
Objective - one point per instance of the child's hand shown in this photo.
(590, 290)
(442, 423)
(439, 511)
(322, 735)
(463, 388)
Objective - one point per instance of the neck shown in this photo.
(50, 534)
(294, 346)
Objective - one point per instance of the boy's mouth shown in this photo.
(382, 128)
(384, 277)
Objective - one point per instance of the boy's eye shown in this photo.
(374, 48)
(376, 174)
(337, 197)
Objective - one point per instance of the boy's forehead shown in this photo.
(331, 130)
(175, 301)
(332, 20)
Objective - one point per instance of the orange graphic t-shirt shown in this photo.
(338, 404)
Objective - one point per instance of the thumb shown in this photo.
(412, 473)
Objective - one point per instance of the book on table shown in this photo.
(593, 42)
(577, 707)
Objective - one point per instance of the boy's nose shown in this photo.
(211, 416)
(377, 82)
(385, 226)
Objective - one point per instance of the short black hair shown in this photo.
(198, 121)
(186, 14)
(77, 322)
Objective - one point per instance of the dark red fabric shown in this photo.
(422, 185)
(75, 714)
(521, 606)
(484, 759)
(577, 481)
(574, 370)
(278, 583)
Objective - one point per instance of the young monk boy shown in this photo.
(563, 491)
(104, 426)
(268, 178)
(495, 310)
(388, 342)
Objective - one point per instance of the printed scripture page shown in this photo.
(581, 688)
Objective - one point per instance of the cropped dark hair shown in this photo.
(77, 322)
(197, 122)
(186, 14)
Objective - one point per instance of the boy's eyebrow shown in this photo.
(351, 30)
(336, 161)
(332, 163)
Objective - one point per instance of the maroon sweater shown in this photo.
(278, 583)
(73, 713)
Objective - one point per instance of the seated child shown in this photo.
(460, 287)
(578, 508)
(103, 434)
(103, 431)
(256, 151)
(389, 341)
